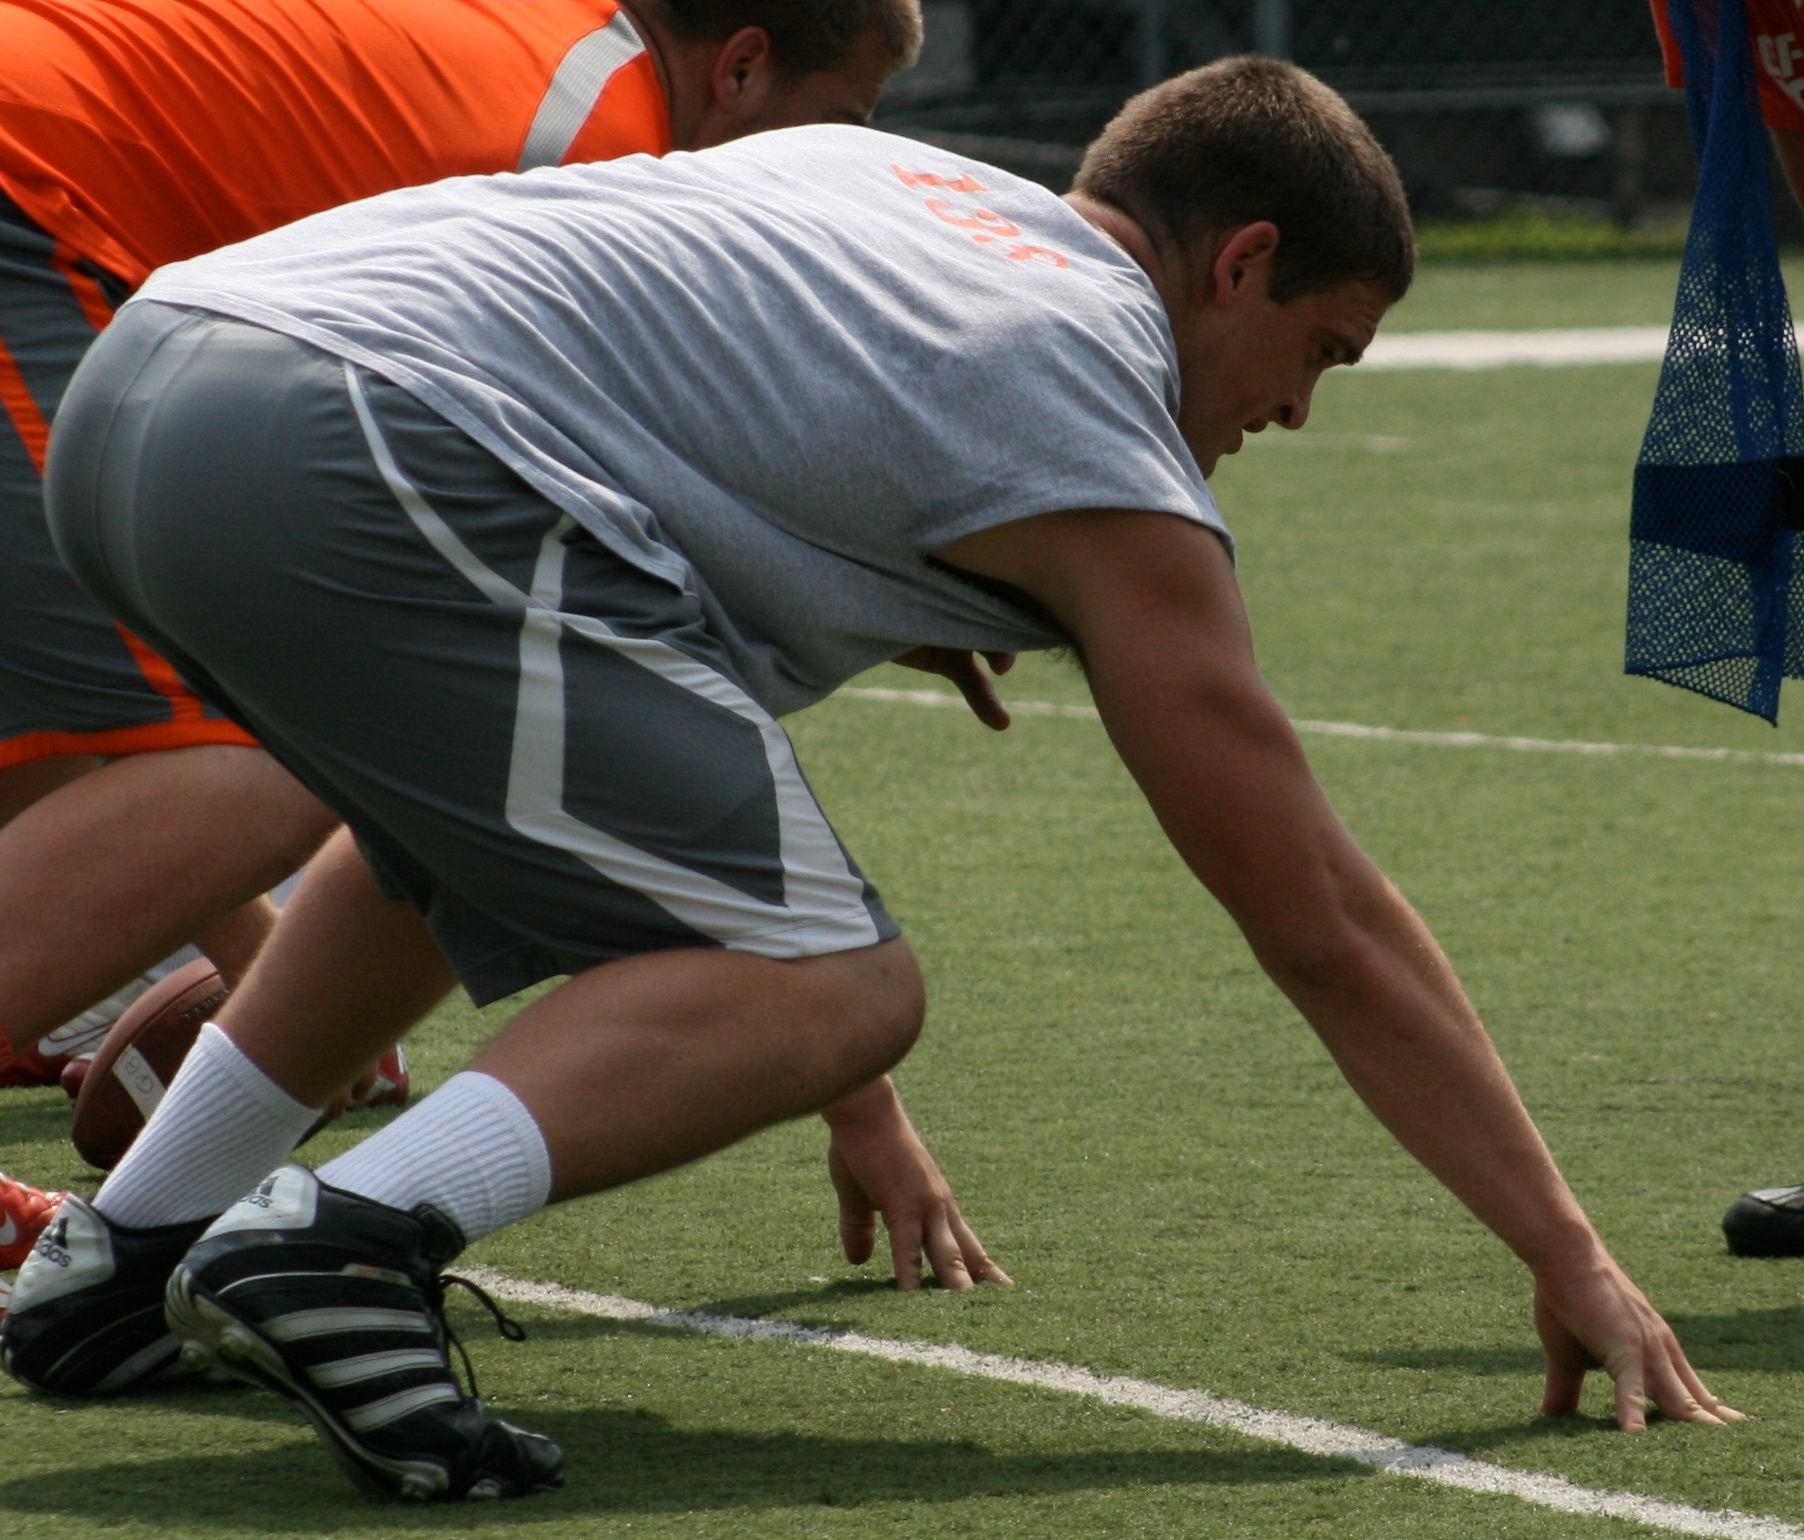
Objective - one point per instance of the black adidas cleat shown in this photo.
(1768, 1223)
(337, 1302)
(86, 1317)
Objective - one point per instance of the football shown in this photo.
(139, 1058)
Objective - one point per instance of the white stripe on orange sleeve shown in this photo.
(576, 86)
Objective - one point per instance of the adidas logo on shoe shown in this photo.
(86, 1313)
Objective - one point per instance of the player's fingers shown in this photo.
(1565, 1380)
(980, 695)
(857, 1235)
(949, 1270)
(1674, 1395)
(952, 1267)
(905, 1252)
(977, 1260)
(1700, 1393)
(857, 1214)
(1631, 1399)
(1000, 662)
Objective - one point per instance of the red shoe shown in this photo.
(26, 1069)
(387, 1085)
(24, 1211)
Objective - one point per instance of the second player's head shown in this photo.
(738, 67)
(1251, 139)
(1274, 226)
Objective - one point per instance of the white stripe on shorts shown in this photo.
(576, 86)
(822, 909)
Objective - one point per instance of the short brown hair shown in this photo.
(1248, 139)
(806, 35)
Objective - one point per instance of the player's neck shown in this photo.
(1131, 236)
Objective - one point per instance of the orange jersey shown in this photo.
(1776, 34)
(140, 132)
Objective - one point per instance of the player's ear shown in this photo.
(742, 77)
(1243, 262)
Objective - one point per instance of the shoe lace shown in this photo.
(510, 1329)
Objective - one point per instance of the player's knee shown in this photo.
(891, 1003)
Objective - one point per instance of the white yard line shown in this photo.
(939, 699)
(1501, 349)
(1308, 1435)
(1506, 349)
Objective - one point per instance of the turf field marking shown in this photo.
(1502, 349)
(1307, 1435)
(1371, 443)
(1440, 740)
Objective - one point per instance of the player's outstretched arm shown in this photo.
(879, 1166)
(1152, 605)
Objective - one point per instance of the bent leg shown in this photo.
(231, 942)
(357, 967)
(22, 785)
(110, 873)
(640, 1065)
(557, 763)
(634, 1068)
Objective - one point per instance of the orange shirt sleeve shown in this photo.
(145, 134)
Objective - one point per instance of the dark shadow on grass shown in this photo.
(184, 1395)
(1481, 1443)
(630, 1463)
(1768, 1340)
(1484, 1443)
(1771, 1340)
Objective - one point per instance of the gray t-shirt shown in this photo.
(781, 372)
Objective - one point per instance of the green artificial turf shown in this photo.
(1136, 1122)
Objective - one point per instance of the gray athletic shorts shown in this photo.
(71, 681)
(542, 747)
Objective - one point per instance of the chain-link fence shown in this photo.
(1481, 104)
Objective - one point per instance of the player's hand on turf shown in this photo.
(880, 1167)
(963, 669)
(1598, 1319)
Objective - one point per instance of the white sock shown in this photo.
(471, 1149)
(222, 1126)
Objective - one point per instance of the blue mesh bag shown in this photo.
(1715, 601)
